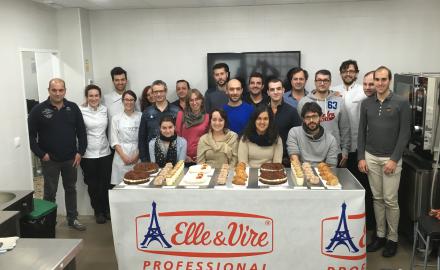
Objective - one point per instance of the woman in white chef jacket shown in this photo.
(97, 161)
(124, 137)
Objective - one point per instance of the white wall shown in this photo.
(23, 24)
(171, 44)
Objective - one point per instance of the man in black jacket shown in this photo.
(55, 125)
(285, 116)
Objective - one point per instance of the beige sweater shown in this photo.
(218, 153)
(255, 155)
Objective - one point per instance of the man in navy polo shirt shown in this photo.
(55, 126)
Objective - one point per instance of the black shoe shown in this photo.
(390, 249)
(100, 219)
(377, 244)
(107, 216)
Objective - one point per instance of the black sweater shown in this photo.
(56, 131)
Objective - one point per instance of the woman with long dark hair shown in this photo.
(167, 147)
(219, 145)
(260, 142)
(96, 163)
(192, 123)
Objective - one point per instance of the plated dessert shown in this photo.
(149, 167)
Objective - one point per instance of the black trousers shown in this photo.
(352, 166)
(97, 173)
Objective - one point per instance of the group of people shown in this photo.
(364, 128)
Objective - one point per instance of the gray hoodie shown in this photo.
(334, 119)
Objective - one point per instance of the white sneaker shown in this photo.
(75, 224)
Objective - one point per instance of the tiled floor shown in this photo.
(98, 250)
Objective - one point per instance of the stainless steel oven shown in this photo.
(422, 91)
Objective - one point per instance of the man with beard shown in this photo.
(349, 71)
(113, 100)
(238, 112)
(285, 116)
(384, 131)
(311, 142)
(255, 95)
(297, 78)
(335, 118)
(217, 98)
(182, 88)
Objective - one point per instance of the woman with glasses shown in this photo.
(96, 163)
(192, 123)
(167, 147)
(260, 142)
(219, 145)
(124, 137)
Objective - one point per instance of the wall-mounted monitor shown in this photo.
(241, 65)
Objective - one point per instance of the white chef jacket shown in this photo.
(124, 132)
(96, 125)
(352, 102)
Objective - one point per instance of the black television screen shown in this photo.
(241, 65)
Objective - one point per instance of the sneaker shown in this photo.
(100, 219)
(390, 249)
(377, 244)
(75, 224)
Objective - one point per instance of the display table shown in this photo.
(230, 227)
(41, 254)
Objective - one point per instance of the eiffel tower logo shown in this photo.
(342, 235)
(154, 233)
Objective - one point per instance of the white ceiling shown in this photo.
(132, 4)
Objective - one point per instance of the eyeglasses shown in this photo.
(158, 92)
(311, 117)
(322, 81)
(128, 99)
(352, 72)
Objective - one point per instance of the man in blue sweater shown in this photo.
(238, 112)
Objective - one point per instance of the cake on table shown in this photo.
(149, 167)
(272, 174)
(136, 177)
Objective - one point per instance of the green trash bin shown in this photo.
(40, 223)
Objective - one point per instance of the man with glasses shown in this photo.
(149, 127)
(311, 142)
(334, 118)
(297, 78)
(384, 131)
(285, 116)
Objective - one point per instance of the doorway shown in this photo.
(38, 67)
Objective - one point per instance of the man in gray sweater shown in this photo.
(335, 118)
(384, 131)
(311, 142)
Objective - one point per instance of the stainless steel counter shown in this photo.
(41, 254)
